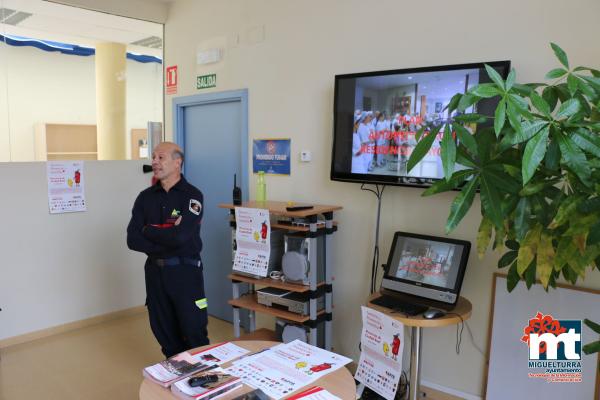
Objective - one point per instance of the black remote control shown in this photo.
(299, 208)
(202, 380)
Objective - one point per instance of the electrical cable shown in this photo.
(375, 261)
(473, 341)
(458, 336)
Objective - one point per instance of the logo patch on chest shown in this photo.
(195, 206)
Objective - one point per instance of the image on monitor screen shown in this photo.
(426, 262)
(377, 117)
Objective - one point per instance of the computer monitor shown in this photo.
(428, 269)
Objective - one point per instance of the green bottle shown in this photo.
(261, 187)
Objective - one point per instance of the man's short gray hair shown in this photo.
(178, 154)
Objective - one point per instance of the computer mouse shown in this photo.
(432, 313)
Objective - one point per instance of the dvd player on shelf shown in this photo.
(298, 303)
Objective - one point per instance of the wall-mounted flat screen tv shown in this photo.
(376, 116)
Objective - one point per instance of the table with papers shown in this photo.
(299, 365)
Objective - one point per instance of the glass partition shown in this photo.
(76, 84)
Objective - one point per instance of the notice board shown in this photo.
(510, 374)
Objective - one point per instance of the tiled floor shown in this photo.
(103, 361)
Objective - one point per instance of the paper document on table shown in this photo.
(253, 241)
(382, 344)
(286, 368)
(220, 354)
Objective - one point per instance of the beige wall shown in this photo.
(290, 80)
(62, 268)
(63, 91)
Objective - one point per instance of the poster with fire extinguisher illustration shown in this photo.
(253, 239)
(382, 345)
(65, 186)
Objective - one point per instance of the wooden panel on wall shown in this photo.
(65, 142)
(138, 135)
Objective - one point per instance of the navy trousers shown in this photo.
(177, 321)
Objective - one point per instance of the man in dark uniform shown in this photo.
(165, 224)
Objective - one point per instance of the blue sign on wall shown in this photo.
(271, 156)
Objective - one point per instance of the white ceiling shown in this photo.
(56, 22)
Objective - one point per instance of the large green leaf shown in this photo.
(500, 116)
(520, 104)
(550, 96)
(539, 103)
(528, 249)
(486, 90)
(568, 108)
(420, 132)
(453, 102)
(591, 348)
(463, 158)
(585, 87)
(574, 158)
(514, 117)
(572, 83)
(556, 73)
(565, 251)
(502, 180)
(530, 274)
(467, 101)
(565, 210)
(461, 204)
(552, 159)
(522, 215)
(510, 80)
(587, 141)
(495, 77)
(422, 148)
(580, 224)
(490, 200)
(545, 258)
(524, 90)
(443, 186)
(592, 325)
(534, 153)
(465, 138)
(468, 118)
(507, 259)
(560, 54)
(484, 235)
(448, 152)
(530, 128)
(513, 278)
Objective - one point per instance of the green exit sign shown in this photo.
(206, 81)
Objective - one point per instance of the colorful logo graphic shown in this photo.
(552, 339)
(555, 347)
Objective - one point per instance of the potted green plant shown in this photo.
(537, 170)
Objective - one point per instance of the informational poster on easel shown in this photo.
(65, 186)
(382, 344)
(253, 239)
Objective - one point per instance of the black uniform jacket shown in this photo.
(152, 228)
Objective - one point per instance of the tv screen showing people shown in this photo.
(424, 261)
(377, 117)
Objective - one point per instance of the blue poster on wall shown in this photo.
(271, 156)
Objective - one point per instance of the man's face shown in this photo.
(163, 164)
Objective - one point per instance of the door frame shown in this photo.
(180, 104)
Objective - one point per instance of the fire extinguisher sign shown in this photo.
(171, 79)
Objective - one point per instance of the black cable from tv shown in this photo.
(379, 194)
